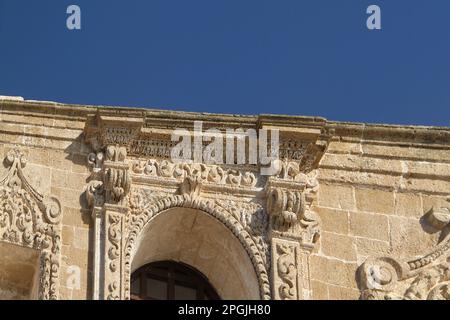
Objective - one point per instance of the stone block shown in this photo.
(338, 246)
(336, 196)
(333, 220)
(373, 200)
(369, 225)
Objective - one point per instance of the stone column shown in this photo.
(109, 214)
(109, 185)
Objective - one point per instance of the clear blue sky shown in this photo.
(300, 57)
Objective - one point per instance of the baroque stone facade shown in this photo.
(90, 194)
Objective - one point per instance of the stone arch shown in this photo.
(188, 201)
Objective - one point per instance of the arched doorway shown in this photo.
(169, 280)
(195, 238)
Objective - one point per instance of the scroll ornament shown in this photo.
(110, 179)
(427, 277)
(201, 172)
(30, 219)
(290, 209)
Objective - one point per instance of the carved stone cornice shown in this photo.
(302, 140)
(103, 130)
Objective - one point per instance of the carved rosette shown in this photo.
(29, 219)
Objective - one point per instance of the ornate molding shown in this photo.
(30, 219)
(121, 210)
(290, 270)
(110, 180)
(285, 270)
(210, 174)
(426, 277)
(289, 206)
(254, 219)
(188, 199)
(303, 141)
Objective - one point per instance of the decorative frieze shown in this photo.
(212, 174)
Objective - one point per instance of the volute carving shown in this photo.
(289, 206)
(427, 277)
(110, 180)
(294, 229)
(203, 173)
(30, 219)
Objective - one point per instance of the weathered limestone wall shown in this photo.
(56, 165)
(377, 183)
(19, 269)
(376, 186)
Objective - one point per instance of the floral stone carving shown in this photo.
(427, 277)
(29, 219)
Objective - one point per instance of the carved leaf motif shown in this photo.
(204, 173)
(114, 237)
(287, 271)
(29, 219)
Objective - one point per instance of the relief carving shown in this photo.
(189, 199)
(289, 206)
(114, 249)
(421, 278)
(287, 271)
(271, 216)
(204, 173)
(294, 229)
(30, 219)
(290, 270)
(110, 180)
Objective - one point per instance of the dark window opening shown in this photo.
(170, 280)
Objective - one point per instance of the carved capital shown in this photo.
(110, 180)
(289, 207)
